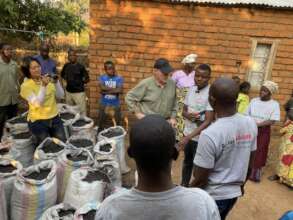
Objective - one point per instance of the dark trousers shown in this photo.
(41, 129)
(6, 112)
(225, 206)
(103, 116)
(189, 153)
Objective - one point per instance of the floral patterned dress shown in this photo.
(285, 167)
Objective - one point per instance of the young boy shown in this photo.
(243, 98)
(111, 86)
(198, 115)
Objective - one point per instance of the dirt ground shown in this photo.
(262, 201)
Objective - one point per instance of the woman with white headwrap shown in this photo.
(266, 112)
(184, 79)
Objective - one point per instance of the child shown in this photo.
(265, 112)
(111, 86)
(285, 168)
(243, 98)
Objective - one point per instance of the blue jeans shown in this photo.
(225, 206)
(41, 129)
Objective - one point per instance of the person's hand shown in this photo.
(45, 80)
(194, 116)
(139, 115)
(182, 143)
(172, 122)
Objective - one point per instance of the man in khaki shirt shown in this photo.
(9, 86)
(155, 95)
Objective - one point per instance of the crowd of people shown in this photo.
(224, 135)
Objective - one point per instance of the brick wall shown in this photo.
(135, 33)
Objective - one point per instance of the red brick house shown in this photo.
(249, 38)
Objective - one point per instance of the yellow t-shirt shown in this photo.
(243, 102)
(48, 109)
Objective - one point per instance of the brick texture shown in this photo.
(134, 33)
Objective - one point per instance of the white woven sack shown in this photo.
(31, 197)
(112, 169)
(62, 107)
(65, 167)
(3, 207)
(60, 211)
(11, 127)
(7, 179)
(26, 149)
(40, 155)
(80, 136)
(88, 210)
(120, 146)
(85, 129)
(79, 191)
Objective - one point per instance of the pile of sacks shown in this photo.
(59, 180)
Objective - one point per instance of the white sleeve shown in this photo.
(209, 107)
(255, 131)
(59, 90)
(39, 99)
(275, 116)
(213, 210)
(205, 156)
(187, 96)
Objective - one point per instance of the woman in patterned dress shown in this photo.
(184, 79)
(285, 166)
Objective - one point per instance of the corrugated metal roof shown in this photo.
(264, 3)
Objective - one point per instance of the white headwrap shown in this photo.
(191, 58)
(272, 86)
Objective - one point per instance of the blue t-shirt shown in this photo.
(48, 66)
(112, 82)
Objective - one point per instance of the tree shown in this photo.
(37, 16)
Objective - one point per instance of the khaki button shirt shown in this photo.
(149, 98)
(9, 85)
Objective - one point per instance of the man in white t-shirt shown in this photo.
(198, 115)
(155, 197)
(225, 149)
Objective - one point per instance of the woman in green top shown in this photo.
(243, 98)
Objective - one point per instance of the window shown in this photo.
(261, 61)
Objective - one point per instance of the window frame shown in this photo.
(271, 59)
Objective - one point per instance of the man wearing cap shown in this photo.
(48, 65)
(155, 95)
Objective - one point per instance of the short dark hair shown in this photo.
(205, 67)
(244, 85)
(25, 65)
(152, 144)
(109, 62)
(3, 44)
(71, 50)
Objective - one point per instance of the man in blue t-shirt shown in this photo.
(48, 65)
(111, 86)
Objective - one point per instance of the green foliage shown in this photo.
(38, 16)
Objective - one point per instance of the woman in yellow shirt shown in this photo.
(243, 98)
(41, 91)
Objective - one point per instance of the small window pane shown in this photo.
(259, 64)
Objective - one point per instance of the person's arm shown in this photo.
(33, 99)
(204, 161)
(59, 90)
(250, 166)
(134, 96)
(63, 72)
(266, 123)
(85, 74)
(209, 117)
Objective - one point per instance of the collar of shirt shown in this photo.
(160, 85)
(201, 90)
